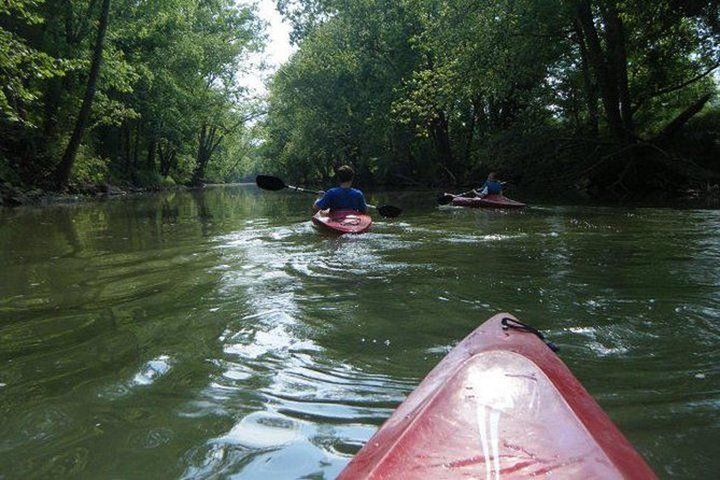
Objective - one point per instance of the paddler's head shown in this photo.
(345, 175)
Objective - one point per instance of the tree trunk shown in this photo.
(441, 135)
(51, 104)
(199, 171)
(604, 71)
(615, 38)
(203, 155)
(151, 156)
(591, 94)
(62, 172)
(167, 157)
(210, 138)
(127, 148)
(475, 112)
(136, 145)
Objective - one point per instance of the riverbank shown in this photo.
(12, 196)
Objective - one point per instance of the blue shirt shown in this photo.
(493, 187)
(339, 198)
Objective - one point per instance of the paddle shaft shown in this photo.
(385, 210)
(269, 182)
(464, 193)
(471, 191)
(305, 190)
(448, 196)
(300, 189)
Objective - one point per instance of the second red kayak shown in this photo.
(342, 221)
(500, 405)
(489, 201)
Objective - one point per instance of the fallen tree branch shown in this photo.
(678, 122)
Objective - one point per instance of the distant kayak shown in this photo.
(500, 405)
(489, 201)
(342, 221)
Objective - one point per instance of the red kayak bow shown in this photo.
(500, 405)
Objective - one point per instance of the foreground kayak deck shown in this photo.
(342, 221)
(489, 201)
(501, 404)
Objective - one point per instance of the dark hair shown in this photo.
(345, 173)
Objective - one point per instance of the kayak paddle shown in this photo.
(389, 211)
(446, 198)
(268, 182)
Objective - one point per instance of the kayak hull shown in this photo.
(489, 201)
(501, 404)
(342, 221)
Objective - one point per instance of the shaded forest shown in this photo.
(127, 93)
(614, 99)
(608, 98)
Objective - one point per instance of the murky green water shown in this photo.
(218, 335)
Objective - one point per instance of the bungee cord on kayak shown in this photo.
(513, 323)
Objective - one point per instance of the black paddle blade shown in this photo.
(445, 198)
(389, 211)
(267, 182)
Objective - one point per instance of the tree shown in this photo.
(62, 172)
(20, 63)
(144, 85)
(591, 88)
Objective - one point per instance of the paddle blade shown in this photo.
(268, 182)
(389, 211)
(445, 198)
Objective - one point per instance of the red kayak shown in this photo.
(342, 221)
(489, 201)
(500, 405)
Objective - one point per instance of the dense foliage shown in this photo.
(126, 92)
(605, 96)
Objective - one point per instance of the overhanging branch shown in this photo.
(679, 86)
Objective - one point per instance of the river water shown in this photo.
(217, 334)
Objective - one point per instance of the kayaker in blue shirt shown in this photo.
(343, 197)
(492, 186)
